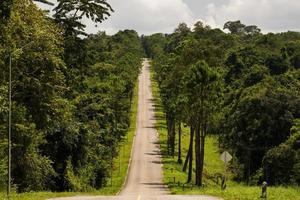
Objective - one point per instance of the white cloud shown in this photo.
(146, 16)
(270, 15)
(150, 16)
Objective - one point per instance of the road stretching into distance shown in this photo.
(144, 180)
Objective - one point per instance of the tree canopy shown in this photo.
(251, 109)
(71, 96)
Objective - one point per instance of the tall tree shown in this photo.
(201, 82)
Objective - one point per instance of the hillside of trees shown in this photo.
(242, 86)
(71, 97)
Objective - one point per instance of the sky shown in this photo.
(152, 16)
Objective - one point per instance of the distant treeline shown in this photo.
(243, 86)
(71, 97)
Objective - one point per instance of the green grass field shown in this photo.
(173, 170)
(119, 169)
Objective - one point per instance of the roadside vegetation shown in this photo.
(176, 179)
(73, 100)
(238, 91)
(119, 173)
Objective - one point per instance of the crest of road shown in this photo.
(144, 179)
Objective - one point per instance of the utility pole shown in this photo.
(9, 130)
(9, 143)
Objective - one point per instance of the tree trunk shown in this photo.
(201, 164)
(173, 137)
(187, 159)
(202, 151)
(191, 156)
(200, 140)
(179, 160)
(168, 134)
(197, 154)
(249, 167)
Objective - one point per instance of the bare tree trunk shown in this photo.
(201, 159)
(168, 134)
(173, 137)
(197, 154)
(200, 139)
(179, 160)
(191, 155)
(187, 159)
(202, 151)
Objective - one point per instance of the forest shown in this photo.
(239, 85)
(72, 95)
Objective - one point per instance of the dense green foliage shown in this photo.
(253, 106)
(213, 166)
(71, 97)
(284, 160)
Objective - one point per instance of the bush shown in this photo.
(282, 163)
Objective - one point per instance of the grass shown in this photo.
(119, 169)
(122, 160)
(36, 195)
(213, 165)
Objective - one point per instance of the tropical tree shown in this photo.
(201, 82)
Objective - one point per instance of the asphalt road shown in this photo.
(144, 181)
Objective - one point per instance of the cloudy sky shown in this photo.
(151, 16)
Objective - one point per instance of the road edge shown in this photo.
(133, 139)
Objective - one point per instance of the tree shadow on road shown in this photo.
(160, 186)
